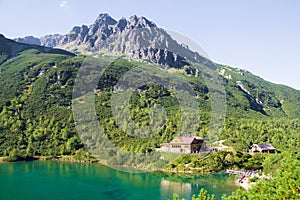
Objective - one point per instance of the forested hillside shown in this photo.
(36, 117)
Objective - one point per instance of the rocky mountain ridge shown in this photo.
(137, 37)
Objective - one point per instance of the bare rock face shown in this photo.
(137, 37)
(29, 40)
(51, 40)
(120, 26)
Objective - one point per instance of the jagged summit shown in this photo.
(105, 19)
(137, 37)
(140, 22)
(121, 25)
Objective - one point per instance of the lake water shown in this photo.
(53, 180)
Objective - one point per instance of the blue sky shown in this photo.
(262, 36)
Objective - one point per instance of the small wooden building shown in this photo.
(262, 148)
(184, 144)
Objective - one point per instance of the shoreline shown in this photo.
(71, 159)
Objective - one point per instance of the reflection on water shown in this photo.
(187, 185)
(169, 187)
(52, 180)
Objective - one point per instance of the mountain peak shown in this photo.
(105, 19)
(140, 22)
(121, 24)
(133, 18)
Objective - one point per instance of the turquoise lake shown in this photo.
(57, 180)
